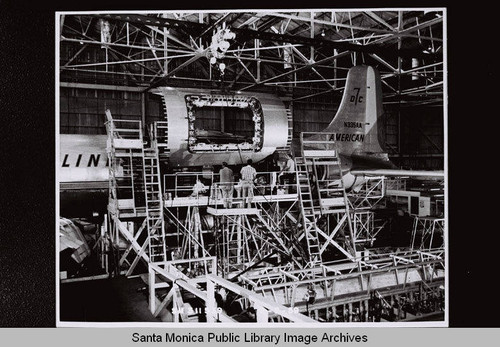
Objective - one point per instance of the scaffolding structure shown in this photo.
(369, 193)
(324, 291)
(322, 196)
(363, 224)
(270, 255)
(135, 196)
(427, 233)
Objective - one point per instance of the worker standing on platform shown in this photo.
(199, 188)
(287, 174)
(248, 175)
(226, 185)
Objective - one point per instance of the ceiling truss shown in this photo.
(300, 54)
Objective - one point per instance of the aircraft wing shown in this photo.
(395, 172)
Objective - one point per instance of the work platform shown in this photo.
(232, 211)
(203, 201)
(272, 251)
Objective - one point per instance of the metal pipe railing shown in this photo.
(190, 184)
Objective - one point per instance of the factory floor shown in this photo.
(117, 299)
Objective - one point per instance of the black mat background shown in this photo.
(27, 159)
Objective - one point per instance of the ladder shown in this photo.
(154, 205)
(229, 248)
(320, 156)
(308, 210)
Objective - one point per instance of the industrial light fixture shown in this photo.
(219, 46)
(222, 67)
(323, 32)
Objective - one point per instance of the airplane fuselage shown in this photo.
(205, 128)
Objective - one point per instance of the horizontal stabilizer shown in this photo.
(389, 172)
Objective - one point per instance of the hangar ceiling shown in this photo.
(301, 55)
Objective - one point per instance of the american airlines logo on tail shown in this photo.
(347, 137)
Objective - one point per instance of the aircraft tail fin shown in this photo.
(357, 121)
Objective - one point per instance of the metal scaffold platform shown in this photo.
(135, 195)
(300, 254)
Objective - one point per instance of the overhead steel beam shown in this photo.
(212, 26)
(375, 17)
(308, 41)
(301, 56)
(242, 33)
(155, 21)
(75, 55)
(329, 23)
(180, 67)
(306, 81)
(235, 18)
(386, 64)
(260, 48)
(113, 44)
(173, 38)
(111, 49)
(423, 88)
(99, 86)
(402, 33)
(153, 50)
(245, 68)
(251, 20)
(131, 61)
(319, 62)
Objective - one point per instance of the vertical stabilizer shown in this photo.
(355, 124)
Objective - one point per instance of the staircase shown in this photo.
(321, 160)
(321, 157)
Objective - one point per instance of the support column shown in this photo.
(262, 314)
(143, 112)
(151, 283)
(211, 306)
(367, 310)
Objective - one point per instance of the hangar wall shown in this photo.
(82, 110)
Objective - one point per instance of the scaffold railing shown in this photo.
(204, 189)
(336, 282)
(369, 193)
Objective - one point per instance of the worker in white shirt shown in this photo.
(287, 173)
(198, 188)
(248, 175)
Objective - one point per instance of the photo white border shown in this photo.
(319, 325)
